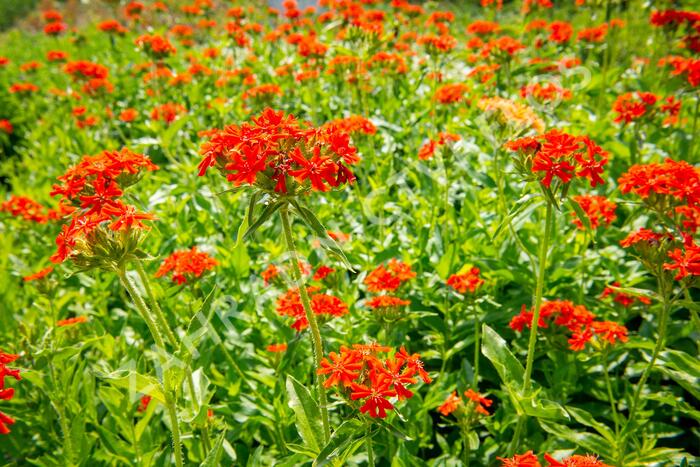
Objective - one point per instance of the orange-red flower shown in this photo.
(5, 392)
(277, 348)
(186, 265)
(575, 461)
(323, 305)
(563, 156)
(467, 281)
(596, 208)
(38, 275)
(451, 404)
(480, 402)
(389, 279)
(529, 459)
(72, 321)
(360, 372)
(276, 149)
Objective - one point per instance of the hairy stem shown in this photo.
(155, 306)
(660, 342)
(317, 344)
(539, 287)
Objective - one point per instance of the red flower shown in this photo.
(318, 170)
(468, 281)
(186, 265)
(322, 272)
(451, 404)
(686, 261)
(563, 156)
(451, 93)
(38, 275)
(642, 235)
(155, 45)
(322, 305)
(480, 401)
(72, 321)
(414, 363)
(529, 459)
(277, 348)
(575, 461)
(277, 146)
(7, 393)
(343, 369)
(168, 112)
(54, 29)
(376, 402)
(386, 301)
(610, 331)
(144, 402)
(595, 208)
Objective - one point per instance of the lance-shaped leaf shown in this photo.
(321, 232)
(308, 415)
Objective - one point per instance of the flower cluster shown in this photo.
(279, 154)
(27, 209)
(545, 92)
(596, 208)
(631, 107)
(686, 67)
(155, 45)
(451, 93)
(352, 124)
(468, 281)
(560, 155)
(54, 23)
(476, 403)
(427, 151)
(581, 324)
(186, 265)
(323, 305)
(508, 112)
(388, 279)
(622, 298)
(7, 394)
(95, 187)
(359, 373)
(529, 459)
(672, 190)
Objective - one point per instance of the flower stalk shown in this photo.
(317, 343)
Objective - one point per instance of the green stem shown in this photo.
(542, 269)
(608, 385)
(370, 450)
(175, 429)
(141, 307)
(155, 306)
(477, 345)
(317, 344)
(158, 338)
(539, 286)
(660, 341)
(65, 429)
(196, 407)
(693, 133)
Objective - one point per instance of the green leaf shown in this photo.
(308, 415)
(321, 232)
(495, 348)
(264, 215)
(214, 456)
(588, 441)
(585, 220)
(136, 382)
(587, 419)
(340, 442)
